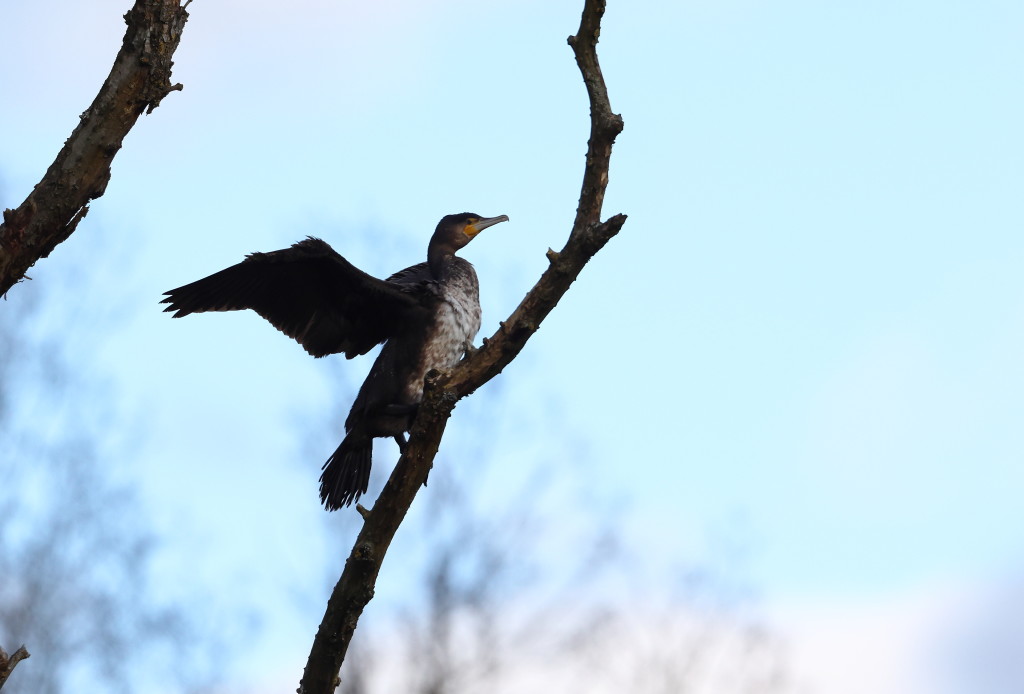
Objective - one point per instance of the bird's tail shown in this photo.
(346, 474)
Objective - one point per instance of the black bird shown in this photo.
(426, 315)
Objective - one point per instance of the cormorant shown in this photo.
(426, 315)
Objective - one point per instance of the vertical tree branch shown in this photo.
(138, 81)
(7, 663)
(604, 125)
(443, 390)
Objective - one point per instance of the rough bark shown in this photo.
(7, 663)
(443, 390)
(138, 81)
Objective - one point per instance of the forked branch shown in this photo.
(7, 663)
(443, 390)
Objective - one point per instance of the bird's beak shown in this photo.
(481, 224)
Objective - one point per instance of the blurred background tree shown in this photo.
(517, 595)
(529, 585)
(76, 544)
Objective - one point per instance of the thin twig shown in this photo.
(589, 234)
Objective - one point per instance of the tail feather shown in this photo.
(346, 474)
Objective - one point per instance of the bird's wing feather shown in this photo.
(310, 293)
(413, 277)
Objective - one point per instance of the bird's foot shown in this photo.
(468, 350)
(402, 442)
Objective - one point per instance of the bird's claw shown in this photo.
(402, 443)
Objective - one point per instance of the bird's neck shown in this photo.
(439, 259)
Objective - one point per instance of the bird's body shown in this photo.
(387, 400)
(437, 342)
(426, 315)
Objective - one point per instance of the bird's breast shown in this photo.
(455, 323)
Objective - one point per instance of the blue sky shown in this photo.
(810, 328)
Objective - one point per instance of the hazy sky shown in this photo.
(809, 331)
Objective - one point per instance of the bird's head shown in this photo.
(453, 232)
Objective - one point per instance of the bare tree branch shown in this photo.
(7, 663)
(443, 390)
(138, 81)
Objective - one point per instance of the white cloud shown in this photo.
(881, 645)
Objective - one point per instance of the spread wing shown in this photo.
(311, 294)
